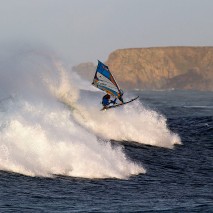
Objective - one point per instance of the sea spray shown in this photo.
(132, 122)
(42, 141)
(40, 136)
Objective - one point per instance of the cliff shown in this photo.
(159, 68)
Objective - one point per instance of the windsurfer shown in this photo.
(106, 100)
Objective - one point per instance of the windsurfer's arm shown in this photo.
(113, 101)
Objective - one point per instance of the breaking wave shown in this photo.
(49, 127)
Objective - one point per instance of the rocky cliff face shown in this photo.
(161, 68)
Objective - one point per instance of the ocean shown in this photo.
(60, 153)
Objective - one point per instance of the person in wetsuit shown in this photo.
(106, 100)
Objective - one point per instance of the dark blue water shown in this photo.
(177, 180)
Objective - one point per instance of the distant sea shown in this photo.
(176, 178)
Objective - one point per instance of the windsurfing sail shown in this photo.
(105, 81)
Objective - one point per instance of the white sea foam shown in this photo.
(40, 136)
(132, 122)
(43, 140)
(48, 127)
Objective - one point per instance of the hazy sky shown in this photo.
(87, 30)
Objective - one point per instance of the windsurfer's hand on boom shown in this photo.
(114, 102)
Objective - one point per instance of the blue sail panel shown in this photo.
(104, 80)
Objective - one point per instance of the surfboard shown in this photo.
(118, 105)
